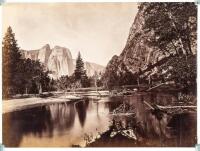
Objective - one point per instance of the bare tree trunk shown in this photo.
(188, 40)
(175, 47)
(138, 81)
(179, 37)
(189, 45)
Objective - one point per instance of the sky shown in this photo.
(97, 30)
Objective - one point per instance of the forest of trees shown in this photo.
(78, 79)
(21, 75)
(26, 76)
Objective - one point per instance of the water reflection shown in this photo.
(62, 116)
(65, 124)
(81, 108)
(20, 123)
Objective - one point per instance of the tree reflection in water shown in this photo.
(59, 119)
(19, 123)
(81, 108)
(151, 127)
(62, 116)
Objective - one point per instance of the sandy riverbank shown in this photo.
(24, 103)
(19, 104)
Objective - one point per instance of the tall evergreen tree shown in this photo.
(20, 75)
(80, 72)
(11, 58)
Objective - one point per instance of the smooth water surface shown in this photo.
(68, 124)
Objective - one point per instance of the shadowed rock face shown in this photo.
(59, 61)
(136, 55)
(40, 54)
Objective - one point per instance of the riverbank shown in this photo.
(24, 103)
(20, 102)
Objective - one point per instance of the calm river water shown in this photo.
(68, 124)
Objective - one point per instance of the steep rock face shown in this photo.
(59, 61)
(41, 54)
(31, 54)
(44, 54)
(136, 56)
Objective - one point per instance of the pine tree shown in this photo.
(79, 67)
(80, 73)
(11, 58)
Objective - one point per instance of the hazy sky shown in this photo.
(97, 30)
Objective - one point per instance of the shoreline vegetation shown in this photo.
(20, 102)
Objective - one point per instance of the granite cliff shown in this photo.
(59, 61)
(152, 43)
(137, 56)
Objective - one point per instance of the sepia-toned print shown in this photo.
(99, 74)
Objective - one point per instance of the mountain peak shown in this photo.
(58, 47)
(46, 46)
(59, 61)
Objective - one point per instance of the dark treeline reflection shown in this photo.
(41, 121)
(19, 123)
(61, 119)
(81, 108)
(165, 129)
(150, 128)
(113, 103)
(62, 116)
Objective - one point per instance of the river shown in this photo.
(72, 123)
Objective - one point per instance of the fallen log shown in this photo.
(155, 87)
(149, 105)
(169, 107)
(173, 107)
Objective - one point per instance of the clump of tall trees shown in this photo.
(78, 79)
(21, 75)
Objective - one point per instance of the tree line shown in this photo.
(20, 75)
(26, 76)
(79, 78)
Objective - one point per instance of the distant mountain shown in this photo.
(59, 61)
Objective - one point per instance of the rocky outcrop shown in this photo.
(40, 54)
(136, 56)
(59, 61)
